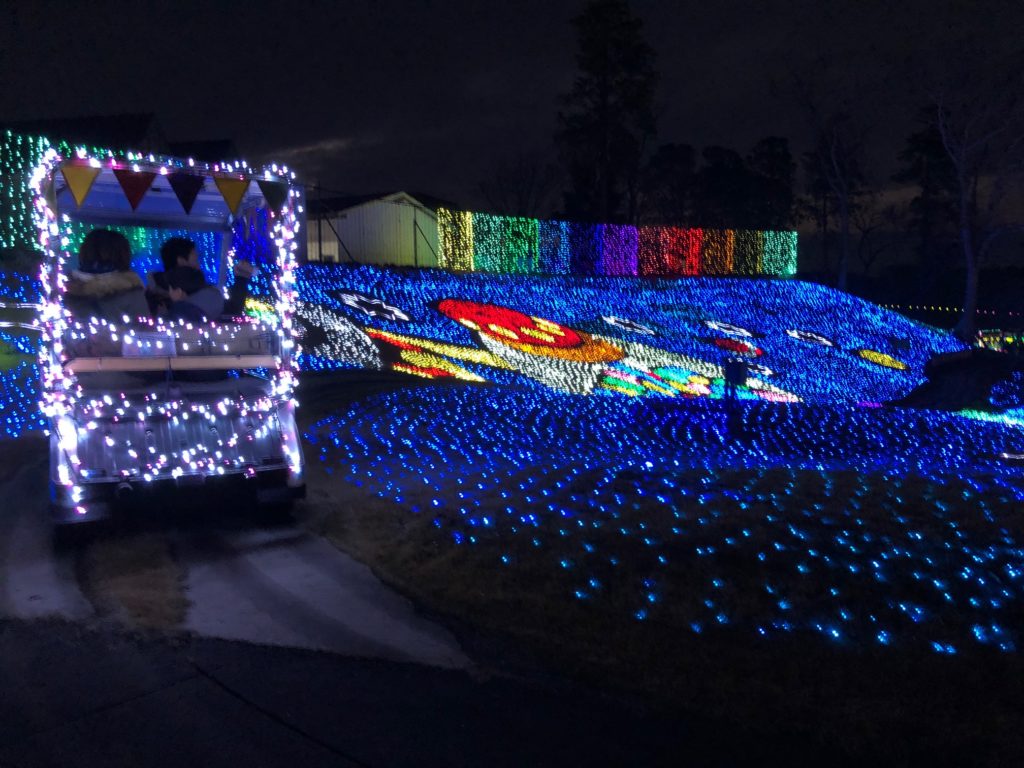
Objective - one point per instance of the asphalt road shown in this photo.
(96, 698)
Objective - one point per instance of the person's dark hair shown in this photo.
(173, 249)
(104, 250)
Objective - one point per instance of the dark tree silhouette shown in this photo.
(521, 185)
(668, 184)
(755, 192)
(932, 212)
(818, 204)
(772, 174)
(979, 115)
(607, 121)
(723, 189)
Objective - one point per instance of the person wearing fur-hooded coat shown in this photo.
(104, 284)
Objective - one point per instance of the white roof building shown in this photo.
(395, 230)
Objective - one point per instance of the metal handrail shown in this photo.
(212, 362)
(418, 228)
(340, 241)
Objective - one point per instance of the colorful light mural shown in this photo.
(617, 335)
(820, 537)
(482, 242)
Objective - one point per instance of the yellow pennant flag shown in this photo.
(232, 190)
(80, 179)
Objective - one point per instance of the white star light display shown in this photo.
(811, 337)
(373, 307)
(628, 325)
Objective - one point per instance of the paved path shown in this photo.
(286, 587)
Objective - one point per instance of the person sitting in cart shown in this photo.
(104, 284)
(182, 292)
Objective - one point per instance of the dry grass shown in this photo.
(135, 578)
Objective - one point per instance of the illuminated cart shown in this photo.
(146, 404)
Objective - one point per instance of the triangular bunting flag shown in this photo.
(275, 192)
(186, 188)
(232, 190)
(135, 184)
(80, 179)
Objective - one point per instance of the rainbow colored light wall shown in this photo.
(483, 242)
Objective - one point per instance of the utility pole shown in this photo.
(415, 231)
(319, 223)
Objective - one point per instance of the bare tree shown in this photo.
(521, 185)
(979, 113)
(878, 228)
(838, 151)
(817, 206)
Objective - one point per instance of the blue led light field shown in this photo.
(789, 518)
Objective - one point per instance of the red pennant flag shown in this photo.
(275, 193)
(135, 184)
(186, 188)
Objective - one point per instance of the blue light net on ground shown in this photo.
(794, 518)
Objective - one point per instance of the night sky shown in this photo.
(430, 96)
